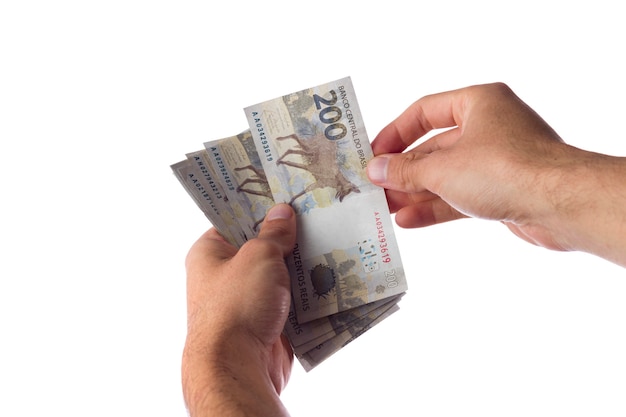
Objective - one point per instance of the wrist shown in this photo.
(228, 375)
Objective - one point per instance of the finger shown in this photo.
(279, 226)
(206, 255)
(427, 213)
(209, 250)
(439, 142)
(409, 172)
(268, 274)
(430, 112)
(398, 199)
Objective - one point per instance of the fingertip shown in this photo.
(388, 140)
(377, 147)
(377, 169)
(281, 211)
(279, 226)
(427, 213)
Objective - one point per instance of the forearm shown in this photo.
(590, 205)
(232, 383)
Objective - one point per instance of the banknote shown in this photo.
(224, 173)
(209, 199)
(308, 149)
(324, 328)
(320, 353)
(243, 166)
(351, 319)
(314, 150)
(209, 178)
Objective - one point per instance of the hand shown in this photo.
(499, 160)
(235, 360)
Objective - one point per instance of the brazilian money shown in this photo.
(308, 149)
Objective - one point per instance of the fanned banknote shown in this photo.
(308, 149)
(341, 322)
(242, 165)
(325, 327)
(317, 355)
(209, 197)
(314, 150)
(223, 171)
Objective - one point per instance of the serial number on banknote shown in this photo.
(369, 259)
(370, 253)
(382, 240)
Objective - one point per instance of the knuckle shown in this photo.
(403, 172)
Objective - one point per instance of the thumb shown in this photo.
(406, 172)
(279, 226)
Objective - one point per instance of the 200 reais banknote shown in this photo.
(314, 150)
(308, 149)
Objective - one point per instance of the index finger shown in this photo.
(209, 250)
(430, 112)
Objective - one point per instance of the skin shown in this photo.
(235, 361)
(500, 161)
(492, 157)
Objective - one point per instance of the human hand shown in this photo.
(499, 160)
(235, 359)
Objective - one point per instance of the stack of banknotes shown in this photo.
(308, 149)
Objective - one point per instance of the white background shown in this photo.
(98, 98)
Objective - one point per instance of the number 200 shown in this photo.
(330, 115)
(391, 278)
